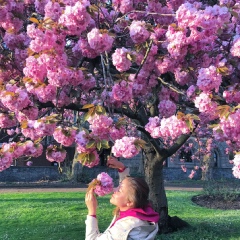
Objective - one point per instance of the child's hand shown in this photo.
(114, 163)
(91, 202)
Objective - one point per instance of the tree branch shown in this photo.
(144, 59)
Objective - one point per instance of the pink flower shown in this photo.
(5, 161)
(204, 103)
(235, 49)
(98, 41)
(14, 98)
(65, 136)
(125, 147)
(75, 18)
(7, 120)
(191, 175)
(100, 125)
(55, 154)
(167, 108)
(184, 168)
(138, 32)
(29, 163)
(209, 79)
(93, 159)
(120, 60)
(103, 184)
(122, 91)
(81, 141)
(236, 167)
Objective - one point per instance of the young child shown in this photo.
(134, 218)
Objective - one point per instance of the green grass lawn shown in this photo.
(61, 216)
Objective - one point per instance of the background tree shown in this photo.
(168, 69)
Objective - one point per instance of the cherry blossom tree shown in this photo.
(95, 74)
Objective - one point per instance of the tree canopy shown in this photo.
(96, 73)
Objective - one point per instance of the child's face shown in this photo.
(120, 197)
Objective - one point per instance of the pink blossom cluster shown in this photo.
(210, 19)
(93, 162)
(5, 161)
(204, 103)
(236, 167)
(182, 77)
(232, 95)
(120, 60)
(209, 79)
(14, 41)
(235, 49)
(39, 5)
(153, 127)
(116, 132)
(38, 128)
(125, 147)
(9, 21)
(196, 27)
(158, 7)
(27, 113)
(138, 31)
(177, 44)
(229, 128)
(88, 83)
(64, 136)
(124, 6)
(7, 121)
(75, 18)
(122, 91)
(142, 84)
(30, 149)
(229, 3)
(84, 48)
(98, 41)
(62, 76)
(168, 94)
(14, 98)
(45, 93)
(100, 125)
(166, 64)
(81, 140)
(105, 186)
(63, 98)
(45, 40)
(11, 151)
(167, 128)
(36, 68)
(175, 4)
(167, 108)
(191, 91)
(53, 10)
(55, 154)
(173, 127)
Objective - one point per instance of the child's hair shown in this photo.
(138, 194)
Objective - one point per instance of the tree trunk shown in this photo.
(153, 170)
(76, 169)
(207, 172)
